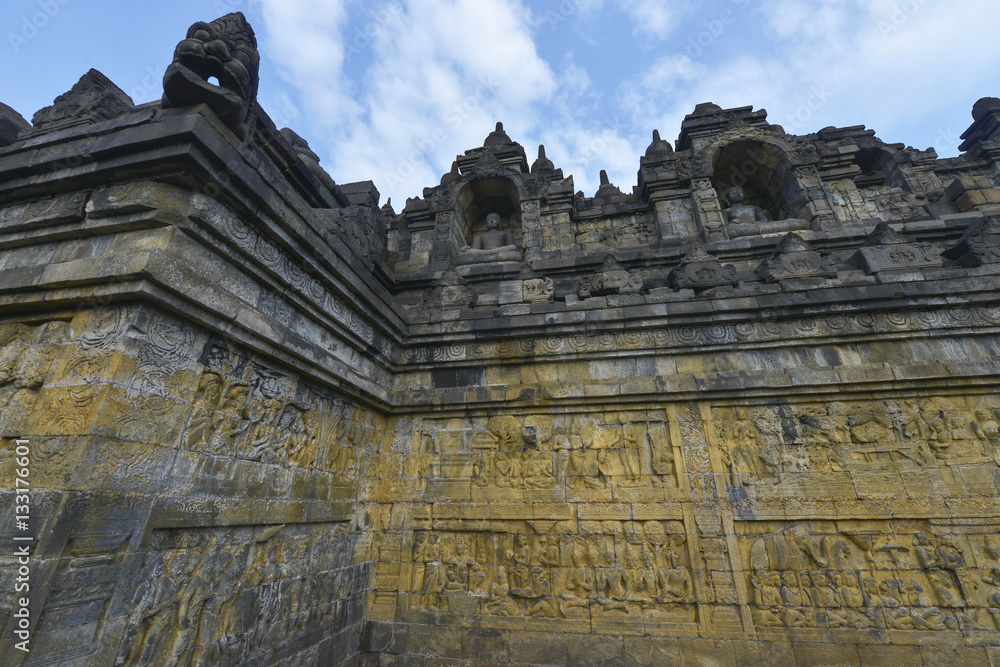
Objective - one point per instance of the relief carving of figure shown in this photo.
(537, 470)
(493, 245)
(646, 585)
(519, 573)
(987, 429)
(155, 613)
(580, 588)
(583, 469)
(545, 607)
(500, 603)
(435, 572)
(990, 563)
(768, 598)
(746, 465)
(790, 590)
(824, 591)
(850, 590)
(204, 418)
(613, 585)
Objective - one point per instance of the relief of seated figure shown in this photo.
(738, 211)
(493, 245)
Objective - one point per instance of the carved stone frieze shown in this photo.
(810, 328)
(543, 456)
(605, 572)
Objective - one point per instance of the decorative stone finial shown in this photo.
(498, 137)
(792, 258)
(607, 189)
(885, 249)
(979, 245)
(659, 146)
(542, 163)
(308, 157)
(884, 235)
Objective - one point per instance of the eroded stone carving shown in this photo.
(979, 245)
(12, 124)
(91, 99)
(700, 271)
(611, 278)
(794, 258)
(223, 51)
(628, 452)
(233, 595)
(538, 289)
(772, 445)
(887, 250)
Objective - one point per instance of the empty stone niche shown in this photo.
(876, 164)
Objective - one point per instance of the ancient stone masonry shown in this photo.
(745, 412)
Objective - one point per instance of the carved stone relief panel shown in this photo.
(69, 382)
(232, 595)
(901, 576)
(547, 456)
(606, 573)
(27, 353)
(595, 234)
(821, 447)
(249, 410)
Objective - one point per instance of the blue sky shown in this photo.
(392, 91)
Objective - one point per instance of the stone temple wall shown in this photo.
(274, 424)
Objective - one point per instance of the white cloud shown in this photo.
(654, 18)
(304, 38)
(657, 18)
(440, 78)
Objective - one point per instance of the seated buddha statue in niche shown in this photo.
(492, 245)
(739, 211)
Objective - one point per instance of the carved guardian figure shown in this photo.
(224, 50)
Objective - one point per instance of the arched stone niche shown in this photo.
(764, 172)
(876, 164)
(478, 198)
